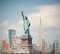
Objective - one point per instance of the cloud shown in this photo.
(18, 27)
(4, 30)
(4, 23)
(48, 15)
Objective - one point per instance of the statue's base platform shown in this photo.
(26, 44)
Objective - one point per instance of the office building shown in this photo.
(12, 33)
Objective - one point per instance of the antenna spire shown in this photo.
(40, 20)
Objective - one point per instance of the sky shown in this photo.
(47, 10)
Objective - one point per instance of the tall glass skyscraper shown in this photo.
(12, 33)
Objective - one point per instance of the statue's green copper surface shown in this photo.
(26, 25)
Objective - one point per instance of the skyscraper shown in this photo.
(12, 33)
(55, 47)
(40, 34)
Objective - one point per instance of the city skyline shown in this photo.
(48, 10)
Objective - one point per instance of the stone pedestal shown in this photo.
(26, 44)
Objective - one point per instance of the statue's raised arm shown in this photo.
(22, 15)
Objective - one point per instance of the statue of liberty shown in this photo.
(26, 25)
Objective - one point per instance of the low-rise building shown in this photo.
(5, 45)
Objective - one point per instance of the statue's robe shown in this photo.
(26, 25)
